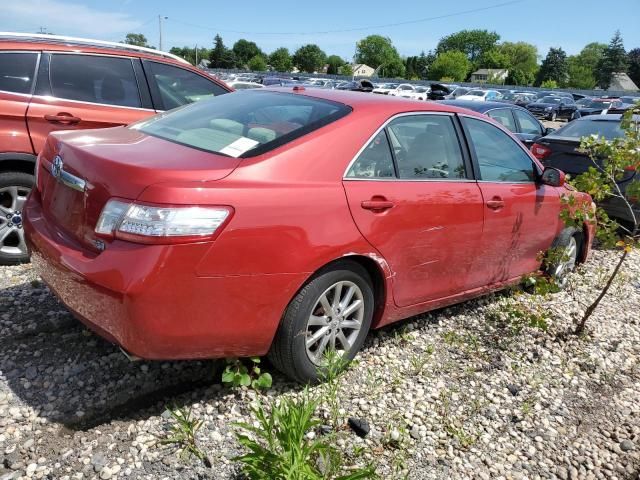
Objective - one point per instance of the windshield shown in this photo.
(476, 93)
(582, 128)
(421, 89)
(243, 124)
(549, 100)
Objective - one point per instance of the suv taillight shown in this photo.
(540, 151)
(143, 223)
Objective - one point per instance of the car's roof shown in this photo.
(480, 106)
(361, 100)
(21, 41)
(610, 117)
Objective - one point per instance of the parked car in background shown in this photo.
(50, 83)
(419, 93)
(385, 88)
(516, 119)
(630, 100)
(457, 92)
(362, 85)
(522, 99)
(403, 90)
(439, 91)
(189, 211)
(239, 85)
(479, 95)
(596, 106)
(553, 107)
(560, 149)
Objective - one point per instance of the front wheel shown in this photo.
(563, 256)
(332, 312)
(14, 188)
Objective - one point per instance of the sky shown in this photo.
(335, 25)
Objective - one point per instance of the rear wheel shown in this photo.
(14, 188)
(553, 116)
(332, 312)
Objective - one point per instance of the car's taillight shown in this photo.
(159, 223)
(540, 151)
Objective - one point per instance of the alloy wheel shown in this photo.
(335, 321)
(567, 263)
(12, 201)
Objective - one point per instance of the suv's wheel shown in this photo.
(553, 116)
(564, 256)
(332, 311)
(14, 188)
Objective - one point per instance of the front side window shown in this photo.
(504, 116)
(426, 147)
(243, 124)
(528, 124)
(94, 79)
(178, 86)
(500, 158)
(17, 71)
(375, 161)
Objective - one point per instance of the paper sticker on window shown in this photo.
(237, 148)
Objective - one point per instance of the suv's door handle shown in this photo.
(377, 205)
(62, 118)
(496, 203)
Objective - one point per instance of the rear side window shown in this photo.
(500, 158)
(179, 87)
(17, 71)
(375, 161)
(94, 79)
(244, 124)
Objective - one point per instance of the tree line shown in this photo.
(455, 58)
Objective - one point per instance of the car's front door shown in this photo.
(79, 91)
(412, 196)
(521, 215)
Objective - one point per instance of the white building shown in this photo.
(362, 70)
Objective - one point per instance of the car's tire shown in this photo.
(553, 116)
(567, 246)
(290, 351)
(14, 187)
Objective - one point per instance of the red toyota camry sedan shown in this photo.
(288, 222)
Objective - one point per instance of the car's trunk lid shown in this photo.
(116, 162)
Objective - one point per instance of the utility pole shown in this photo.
(160, 18)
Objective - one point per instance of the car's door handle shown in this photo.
(62, 117)
(377, 204)
(496, 203)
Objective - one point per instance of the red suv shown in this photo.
(50, 83)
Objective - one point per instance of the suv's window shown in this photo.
(528, 124)
(426, 146)
(179, 86)
(503, 115)
(94, 79)
(500, 158)
(375, 161)
(17, 71)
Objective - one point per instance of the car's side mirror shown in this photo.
(548, 130)
(553, 177)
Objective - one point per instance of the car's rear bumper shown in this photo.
(149, 300)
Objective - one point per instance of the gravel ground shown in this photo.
(463, 392)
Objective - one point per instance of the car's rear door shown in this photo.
(17, 71)
(521, 215)
(80, 91)
(412, 196)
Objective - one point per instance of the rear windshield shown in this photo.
(582, 128)
(243, 124)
